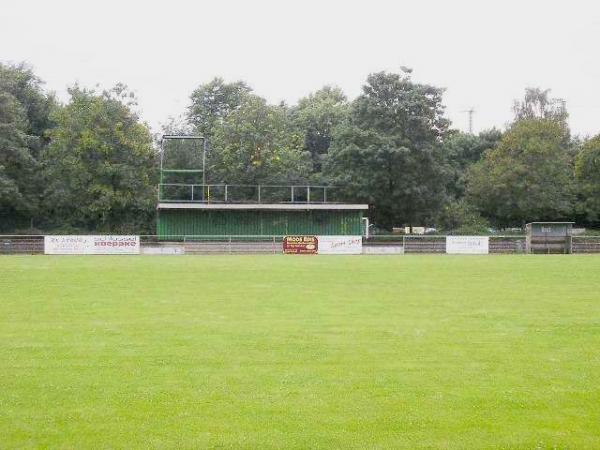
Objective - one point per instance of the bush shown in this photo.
(459, 217)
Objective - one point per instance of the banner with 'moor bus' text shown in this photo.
(322, 245)
(91, 245)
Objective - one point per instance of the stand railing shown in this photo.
(246, 193)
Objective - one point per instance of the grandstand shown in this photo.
(188, 206)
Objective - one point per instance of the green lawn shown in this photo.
(300, 352)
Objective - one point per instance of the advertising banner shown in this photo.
(163, 250)
(467, 245)
(383, 250)
(340, 245)
(300, 245)
(91, 245)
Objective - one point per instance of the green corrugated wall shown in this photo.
(186, 222)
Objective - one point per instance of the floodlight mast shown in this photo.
(186, 137)
(203, 165)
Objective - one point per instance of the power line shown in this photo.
(470, 111)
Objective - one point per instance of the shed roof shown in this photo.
(267, 206)
(551, 223)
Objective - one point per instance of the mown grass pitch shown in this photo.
(300, 352)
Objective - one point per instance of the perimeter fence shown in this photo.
(231, 244)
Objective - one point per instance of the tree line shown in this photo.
(91, 164)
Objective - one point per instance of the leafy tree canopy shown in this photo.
(461, 150)
(316, 117)
(101, 163)
(389, 152)
(24, 119)
(212, 102)
(459, 217)
(526, 178)
(537, 104)
(256, 144)
(587, 171)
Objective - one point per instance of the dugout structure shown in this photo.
(549, 237)
(190, 205)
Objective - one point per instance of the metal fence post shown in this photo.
(259, 193)
(225, 193)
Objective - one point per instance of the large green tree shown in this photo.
(461, 151)
(212, 102)
(316, 116)
(537, 104)
(101, 164)
(256, 144)
(527, 177)
(388, 154)
(24, 120)
(587, 171)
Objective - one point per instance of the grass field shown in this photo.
(300, 352)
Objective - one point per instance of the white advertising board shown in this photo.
(91, 245)
(340, 245)
(383, 250)
(468, 245)
(163, 250)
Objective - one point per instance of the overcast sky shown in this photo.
(483, 52)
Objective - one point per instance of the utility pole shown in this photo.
(470, 111)
(563, 106)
